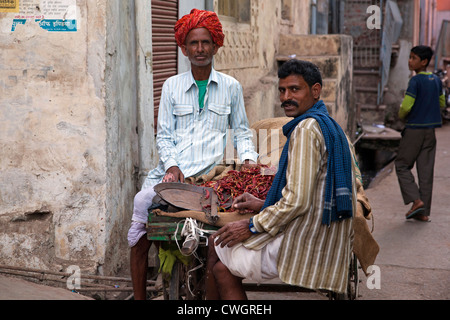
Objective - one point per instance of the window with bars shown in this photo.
(238, 10)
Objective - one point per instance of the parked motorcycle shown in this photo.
(442, 74)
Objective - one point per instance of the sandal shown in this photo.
(415, 209)
(412, 214)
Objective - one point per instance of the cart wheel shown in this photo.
(352, 286)
(171, 288)
(175, 282)
(353, 279)
(195, 276)
(185, 285)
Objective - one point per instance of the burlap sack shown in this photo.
(224, 217)
(268, 132)
(364, 245)
(217, 173)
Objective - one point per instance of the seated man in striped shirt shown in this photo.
(196, 110)
(303, 231)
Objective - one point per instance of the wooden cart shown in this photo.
(187, 280)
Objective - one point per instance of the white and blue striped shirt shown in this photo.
(195, 139)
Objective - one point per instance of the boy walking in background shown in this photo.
(421, 110)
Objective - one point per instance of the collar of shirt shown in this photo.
(191, 81)
(425, 73)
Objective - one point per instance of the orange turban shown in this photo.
(199, 19)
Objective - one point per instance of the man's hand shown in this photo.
(247, 202)
(173, 174)
(232, 233)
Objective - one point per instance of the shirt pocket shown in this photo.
(184, 115)
(218, 117)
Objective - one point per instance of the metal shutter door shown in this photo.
(165, 49)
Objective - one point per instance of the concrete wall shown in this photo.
(250, 51)
(67, 139)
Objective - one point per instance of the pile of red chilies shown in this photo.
(255, 180)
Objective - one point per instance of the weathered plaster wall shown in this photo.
(67, 139)
(122, 155)
(250, 51)
(52, 140)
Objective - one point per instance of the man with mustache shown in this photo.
(303, 232)
(196, 110)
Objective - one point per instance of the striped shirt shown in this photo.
(194, 139)
(312, 255)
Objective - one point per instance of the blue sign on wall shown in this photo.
(53, 25)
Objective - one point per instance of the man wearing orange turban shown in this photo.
(196, 111)
(199, 19)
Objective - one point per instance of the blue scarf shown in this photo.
(338, 192)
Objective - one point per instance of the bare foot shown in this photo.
(422, 218)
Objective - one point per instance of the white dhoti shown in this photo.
(253, 265)
(142, 202)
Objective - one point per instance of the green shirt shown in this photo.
(201, 92)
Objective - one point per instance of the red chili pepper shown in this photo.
(256, 181)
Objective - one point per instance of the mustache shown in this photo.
(289, 102)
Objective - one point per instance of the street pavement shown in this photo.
(12, 288)
(414, 258)
(413, 262)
